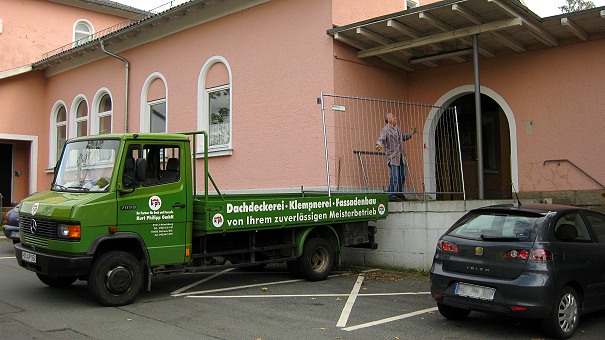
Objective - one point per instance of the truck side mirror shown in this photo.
(140, 169)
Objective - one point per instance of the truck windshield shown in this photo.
(86, 166)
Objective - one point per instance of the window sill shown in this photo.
(215, 153)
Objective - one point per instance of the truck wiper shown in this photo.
(61, 187)
(79, 188)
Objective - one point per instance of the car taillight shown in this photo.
(447, 246)
(524, 254)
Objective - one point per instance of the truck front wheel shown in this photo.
(317, 259)
(115, 278)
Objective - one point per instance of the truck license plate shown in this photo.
(28, 257)
(474, 291)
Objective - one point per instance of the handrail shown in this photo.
(558, 161)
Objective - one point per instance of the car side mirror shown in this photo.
(140, 169)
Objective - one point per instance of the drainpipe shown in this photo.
(127, 83)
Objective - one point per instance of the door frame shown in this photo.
(33, 156)
(433, 117)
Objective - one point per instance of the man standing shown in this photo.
(391, 139)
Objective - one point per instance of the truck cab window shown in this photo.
(129, 175)
(163, 164)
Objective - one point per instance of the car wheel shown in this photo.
(453, 313)
(317, 259)
(115, 278)
(564, 317)
(56, 281)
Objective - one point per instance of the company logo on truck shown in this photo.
(35, 208)
(218, 220)
(155, 203)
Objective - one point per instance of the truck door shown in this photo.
(156, 207)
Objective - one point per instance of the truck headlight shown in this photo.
(71, 232)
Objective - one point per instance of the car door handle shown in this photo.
(178, 205)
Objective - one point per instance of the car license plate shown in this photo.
(474, 291)
(15, 234)
(28, 257)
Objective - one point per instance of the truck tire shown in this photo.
(57, 281)
(115, 278)
(317, 259)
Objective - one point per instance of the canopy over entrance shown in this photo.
(441, 33)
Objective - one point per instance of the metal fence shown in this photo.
(353, 164)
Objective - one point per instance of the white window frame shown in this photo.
(203, 107)
(73, 121)
(52, 152)
(90, 33)
(145, 123)
(96, 113)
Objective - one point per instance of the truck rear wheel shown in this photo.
(317, 259)
(115, 278)
(56, 281)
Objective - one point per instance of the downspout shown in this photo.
(127, 83)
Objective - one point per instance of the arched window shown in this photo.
(105, 110)
(214, 105)
(154, 104)
(83, 32)
(102, 112)
(60, 131)
(79, 118)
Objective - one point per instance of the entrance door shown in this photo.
(6, 174)
(495, 144)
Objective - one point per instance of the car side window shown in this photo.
(597, 222)
(571, 228)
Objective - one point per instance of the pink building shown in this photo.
(266, 62)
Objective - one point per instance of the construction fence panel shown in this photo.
(353, 164)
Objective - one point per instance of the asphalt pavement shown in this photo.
(361, 303)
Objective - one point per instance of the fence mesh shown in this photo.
(432, 156)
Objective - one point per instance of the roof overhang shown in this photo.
(441, 33)
(141, 30)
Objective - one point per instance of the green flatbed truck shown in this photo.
(123, 208)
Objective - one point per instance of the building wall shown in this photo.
(22, 99)
(555, 96)
(350, 11)
(278, 136)
(408, 236)
(34, 27)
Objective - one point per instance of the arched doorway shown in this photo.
(500, 174)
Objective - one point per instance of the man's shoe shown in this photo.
(394, 199)
(401, 197)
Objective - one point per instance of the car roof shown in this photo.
(537, 208)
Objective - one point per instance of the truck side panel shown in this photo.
(246, 212)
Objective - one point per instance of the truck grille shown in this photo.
(38, 231)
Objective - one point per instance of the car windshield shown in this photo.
(497, 226)
(86, 166)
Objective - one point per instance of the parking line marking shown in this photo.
(201, 281)
(7, 257)
(245, 286)
(299, 295)
(238, 287)
(391, 319)
(346, 311)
